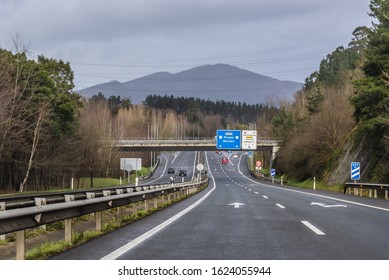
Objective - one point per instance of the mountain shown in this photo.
(213, 82)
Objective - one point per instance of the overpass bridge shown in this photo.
(266, 145)
(185, 145)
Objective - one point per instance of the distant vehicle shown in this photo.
(224, 160)
(235, 156)
(182, 172)
(170, 170)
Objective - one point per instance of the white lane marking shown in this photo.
(264, 196)
(281, 206)
(175, 156)
(120, 251)
(312, 194)
(328, 206)
(256, 192)
(313, 228)
(163, 172)
(237, 204)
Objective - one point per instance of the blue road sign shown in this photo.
(355, 171)
(273, 172)
(228, 139)
(250, 153)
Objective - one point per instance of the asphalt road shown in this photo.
(238, 218)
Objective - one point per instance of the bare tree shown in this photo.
(41, 115)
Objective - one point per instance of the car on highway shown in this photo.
(225, 160)
(170, 170)
(182, 172)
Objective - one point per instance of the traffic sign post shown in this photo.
(355, 171)
(272, 174)
(228, 139)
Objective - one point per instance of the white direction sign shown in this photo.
(249, 139)
(130, 164)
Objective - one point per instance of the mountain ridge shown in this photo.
(213, 82)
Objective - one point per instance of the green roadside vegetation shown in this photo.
(319, 185)
(306, 184)
(85, 183)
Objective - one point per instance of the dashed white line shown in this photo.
(313, 228)
(256, 192)
(264, 196)
(281, 206)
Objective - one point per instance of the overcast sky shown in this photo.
(127, 39)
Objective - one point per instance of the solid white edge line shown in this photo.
(120, 251)
(164, 170)
(313, 228)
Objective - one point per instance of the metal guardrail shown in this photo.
(16, 215)
(368, 186)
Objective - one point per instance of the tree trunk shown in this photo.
(33, 148)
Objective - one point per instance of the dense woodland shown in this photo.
(346, 101)
(49, 134)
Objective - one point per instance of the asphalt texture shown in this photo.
(238, 218)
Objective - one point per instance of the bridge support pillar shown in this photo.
(20, 244)
(273, 152)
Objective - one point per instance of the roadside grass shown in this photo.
(99, 182)
(85, 183)
(308, 184)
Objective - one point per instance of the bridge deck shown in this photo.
(182, 145)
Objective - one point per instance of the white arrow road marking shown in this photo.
(313, 228)
(237, 204)
(328, 206)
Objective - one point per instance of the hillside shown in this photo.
(213, 82)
